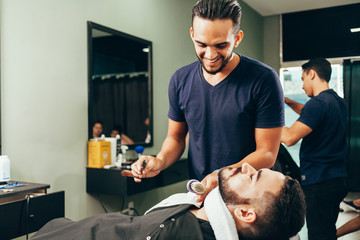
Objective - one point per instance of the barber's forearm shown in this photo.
(171, 151)
(295, 106)
(261, 158)
(287, 138)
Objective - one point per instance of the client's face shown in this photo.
(246, 182)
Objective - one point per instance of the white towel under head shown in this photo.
(220, 217)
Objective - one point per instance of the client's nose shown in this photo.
(247, 168)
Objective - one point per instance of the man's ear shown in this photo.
(312, 74)
(192, 33)
(245, 213)
(239, 36)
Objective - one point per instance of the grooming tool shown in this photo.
(195, 186)
(127, 173)
(143, 165)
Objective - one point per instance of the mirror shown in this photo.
(120, 85)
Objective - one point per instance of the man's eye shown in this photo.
(221, 46)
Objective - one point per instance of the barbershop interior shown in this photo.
(69, 65)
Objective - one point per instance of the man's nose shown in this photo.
(247, 169)
(210, 53)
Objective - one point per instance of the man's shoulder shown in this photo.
(185, 74)
(315, 102)
(188, 68)
(326, 97)
(255, 64)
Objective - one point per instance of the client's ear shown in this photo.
(245, 213)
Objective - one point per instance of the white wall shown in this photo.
(44, 83)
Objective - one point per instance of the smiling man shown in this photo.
(231, 106)
(247, 205)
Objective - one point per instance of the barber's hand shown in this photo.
(210, 182)
(153, 167)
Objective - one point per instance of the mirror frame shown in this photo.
(90, 27)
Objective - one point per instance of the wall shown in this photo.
(44, 84)
(272, 41)
(252, 24)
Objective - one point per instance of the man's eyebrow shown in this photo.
(199, 42)
(258, 175)
(217, 44)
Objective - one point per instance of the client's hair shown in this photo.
(278, 217)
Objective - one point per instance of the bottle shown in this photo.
(118, 145)
(123, 154)
(4, 168)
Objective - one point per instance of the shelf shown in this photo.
(111, 182)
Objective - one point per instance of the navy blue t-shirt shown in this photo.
(323, 151)
(222, 118)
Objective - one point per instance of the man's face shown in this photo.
(114, 133)
(97, 129)
(214, 42)
(246, 182)
(307, 83)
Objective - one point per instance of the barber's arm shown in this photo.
(267, 147)
(296, 106)
(171, 150)
(290, 136)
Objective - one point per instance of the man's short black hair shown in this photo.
(97, 121)
(218, 9)
(279, 217)
(321, 66)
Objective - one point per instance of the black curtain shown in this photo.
(122, 101)
(352, 96)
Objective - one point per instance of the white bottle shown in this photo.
(123, 153)
(4, 168)
(113, 149)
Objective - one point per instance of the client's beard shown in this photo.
(229, 196)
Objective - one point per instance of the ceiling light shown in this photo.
(355, 29)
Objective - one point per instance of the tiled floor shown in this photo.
(345, 216)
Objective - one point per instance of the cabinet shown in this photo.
(27, 208)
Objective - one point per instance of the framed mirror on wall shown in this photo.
(120, 85)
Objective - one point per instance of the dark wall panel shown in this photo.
(321, 33)
(352, 97)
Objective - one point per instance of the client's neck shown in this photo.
(199, 213)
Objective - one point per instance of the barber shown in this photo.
(231, 105)
(322, 128)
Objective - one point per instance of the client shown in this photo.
(247, 204)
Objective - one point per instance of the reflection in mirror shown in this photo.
(120, 85)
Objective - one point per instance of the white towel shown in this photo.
(220, 217)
